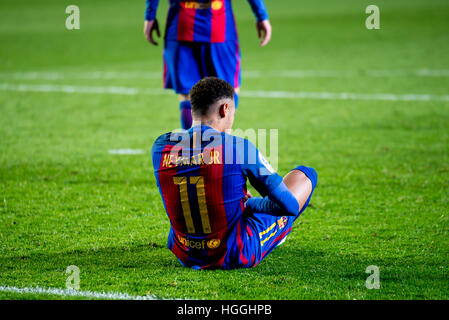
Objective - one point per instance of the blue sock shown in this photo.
(313, 176)
(236, 100)
(186, 114)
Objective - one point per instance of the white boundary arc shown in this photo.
(73, 293)
(81, 294)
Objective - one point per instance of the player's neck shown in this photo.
(207, 122)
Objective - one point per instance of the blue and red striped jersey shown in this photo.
(202, 20)
(202, 174)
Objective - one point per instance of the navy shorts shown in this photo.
(185, 63)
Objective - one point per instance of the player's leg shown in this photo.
(225, 61)
(181, 72)
(236, 96)
(185, 109)
(266, 231)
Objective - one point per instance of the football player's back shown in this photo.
(203, 196)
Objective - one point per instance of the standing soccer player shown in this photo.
(201, 40)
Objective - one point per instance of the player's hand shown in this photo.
(247, 196)
(264, 31)
(148, 29)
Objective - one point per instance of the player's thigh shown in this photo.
(267, 231)
(225, 58)
(182, 67)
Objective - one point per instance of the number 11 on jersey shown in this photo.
(198, 181)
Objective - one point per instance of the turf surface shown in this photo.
(382, 196)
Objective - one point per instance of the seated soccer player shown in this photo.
(202, 174)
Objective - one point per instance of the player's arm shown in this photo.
(263, 24)
(151, 23)
(264, 205)
(278, 198)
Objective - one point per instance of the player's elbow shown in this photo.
(285, 199)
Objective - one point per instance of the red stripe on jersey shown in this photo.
(213, 185)
(218, 23)
(186, 21)
(221, 262)
(170, 190)
(240, 244)
(237, 68)
(248, 229)
(164, 79)
(178, 251)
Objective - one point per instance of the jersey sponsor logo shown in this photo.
(193, 244)
(199, 244)
(215, 4)
(173, 160)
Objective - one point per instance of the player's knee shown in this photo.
(310, 173)
(183, 97)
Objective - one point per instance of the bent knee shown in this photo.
(310, 173)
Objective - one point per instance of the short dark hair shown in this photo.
(207, 91)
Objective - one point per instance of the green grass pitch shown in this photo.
(383, 191)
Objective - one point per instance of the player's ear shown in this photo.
(223, 110)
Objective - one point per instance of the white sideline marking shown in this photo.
(243, 93)
(76, 89)
(80, 75)
(346, 73)
(126, 151)
(37, 75)
(73, 293)
(343, 96)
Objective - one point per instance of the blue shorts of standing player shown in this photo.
(201, 40)
(185, 63)
(202, 175)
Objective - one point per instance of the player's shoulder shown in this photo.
(161, 142)
(162, 138)
(242, 146)
(236, 140)
(244, 151)
(181, 137)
